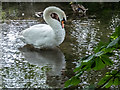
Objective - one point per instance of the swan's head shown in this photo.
(56, 14)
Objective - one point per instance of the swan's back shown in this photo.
(40, 35)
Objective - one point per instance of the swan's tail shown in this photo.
(21, 36)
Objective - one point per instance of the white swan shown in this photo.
(46, 36)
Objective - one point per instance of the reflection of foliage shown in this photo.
(46, 68)
(98, 61)
(24, 74)
(11, 12)
(0, 10)
(3, 15)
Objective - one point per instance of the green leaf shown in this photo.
(111, 78)
(116, 34)
(99, 64)
(77, 69)
(114, 72)
(98, 61)
(109, 54)
(106, 60)
(72, 82)
(68, 83)
(103, 80)
(99, 53)
(79, 74)
(83, 66)
(89, 58)
(93, 64)
(113, 43)
(75, 81)
(99, 47)
(107, 73)
(109, 83)
(116, 81)
(108, 50)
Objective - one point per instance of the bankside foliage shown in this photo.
(98, 61)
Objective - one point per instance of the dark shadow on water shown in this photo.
(39, 57)
(52, 58)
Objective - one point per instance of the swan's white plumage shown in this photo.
(40, 35)
(43, 35)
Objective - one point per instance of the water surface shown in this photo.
(27, 67)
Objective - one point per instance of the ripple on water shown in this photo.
(17, 69)
(85, 33)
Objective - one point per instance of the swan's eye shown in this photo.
(55, 16)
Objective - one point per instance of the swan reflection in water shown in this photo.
(53, 57)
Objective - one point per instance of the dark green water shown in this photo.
(26, 67)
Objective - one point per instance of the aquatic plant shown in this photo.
(99, 60)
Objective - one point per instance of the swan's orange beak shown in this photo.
(62, 23)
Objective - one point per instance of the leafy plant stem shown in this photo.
(109, 79)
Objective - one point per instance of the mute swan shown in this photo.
(46, 36)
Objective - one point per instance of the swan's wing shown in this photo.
(38, 34)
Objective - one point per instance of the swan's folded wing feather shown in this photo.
(38, 34)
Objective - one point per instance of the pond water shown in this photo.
(26, 67)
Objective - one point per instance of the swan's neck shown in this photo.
(48, 19)
(55, 24)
